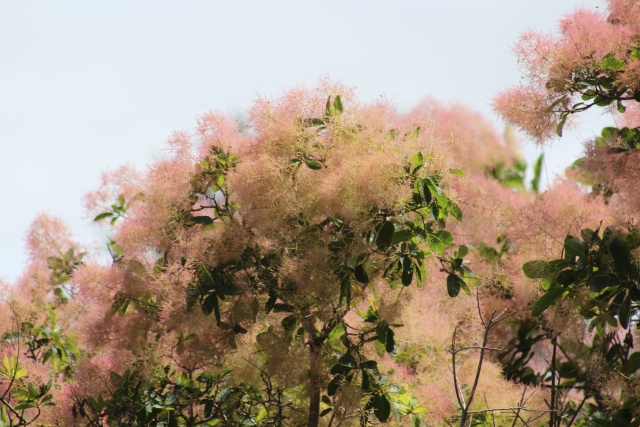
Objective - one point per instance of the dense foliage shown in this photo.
(337, 263)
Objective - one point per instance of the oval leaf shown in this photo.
(103, 216)
(547, 300)
(381, 407)
(454, 285)
(361, 274)
(624, 312)
(541, 269)
(385, 235)
(574, 247)
(202, 220)
(312, 164)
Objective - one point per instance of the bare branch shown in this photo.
(493, 320)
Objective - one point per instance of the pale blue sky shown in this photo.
(89, 85)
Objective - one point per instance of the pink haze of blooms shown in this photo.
(585, 38)
(361, 169)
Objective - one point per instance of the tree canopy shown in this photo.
(334, 262)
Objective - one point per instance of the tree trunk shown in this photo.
(315, 359)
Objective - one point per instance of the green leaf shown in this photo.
(610, 132)
(621, 256)
(369, 364)
(634, 362)
(462, 251)
(457, 172)
(33, 391)
(542, 269)
(361, 274)
(282, 308)
(421, 272)
(454, 210)
(337, 104)
(566, 277)
(454, 283)
(417, 159)
(603, 101)
(345, 290)
(547, 300)
(334, 385)
(602, 281)
(560, 125)
(289, 323)
(401, 236)
(238, 329)
(348, 361)
(417, 170)
(624, 312)
(536, 269)
(589, 235)
(609, 62)
(444, 236)
(339, 369)
(424, 193)
(390, 345)
(574, 247)
(205, 276)
(537, 173)
(210, 304)
(325, 412)
(464, 287)
(381, 330)
(366, 384)
(271, 302)
(202, 220)
(311, 122)
(103, 216)
(381, 407)
(312, 164)
(170, 398)
(407, 271)
(385, 235)
(351, 264)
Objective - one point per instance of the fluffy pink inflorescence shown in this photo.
(473, 139)
(135, 312)
(48, 236)
(550, 63)
(113, 183)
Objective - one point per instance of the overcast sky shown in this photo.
(89, 85)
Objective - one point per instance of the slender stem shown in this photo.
(478, 370)
(586, 396)
(552, 414)
(314, 385)
(519, 407)
(456, 384)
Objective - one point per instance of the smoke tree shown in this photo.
(594, 275)
(338, 263)
(290, 275)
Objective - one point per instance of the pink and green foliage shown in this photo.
(265, 277)
(594, 62)
(305, 271)
(270, 277)
(595, 275)
(297, 224)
